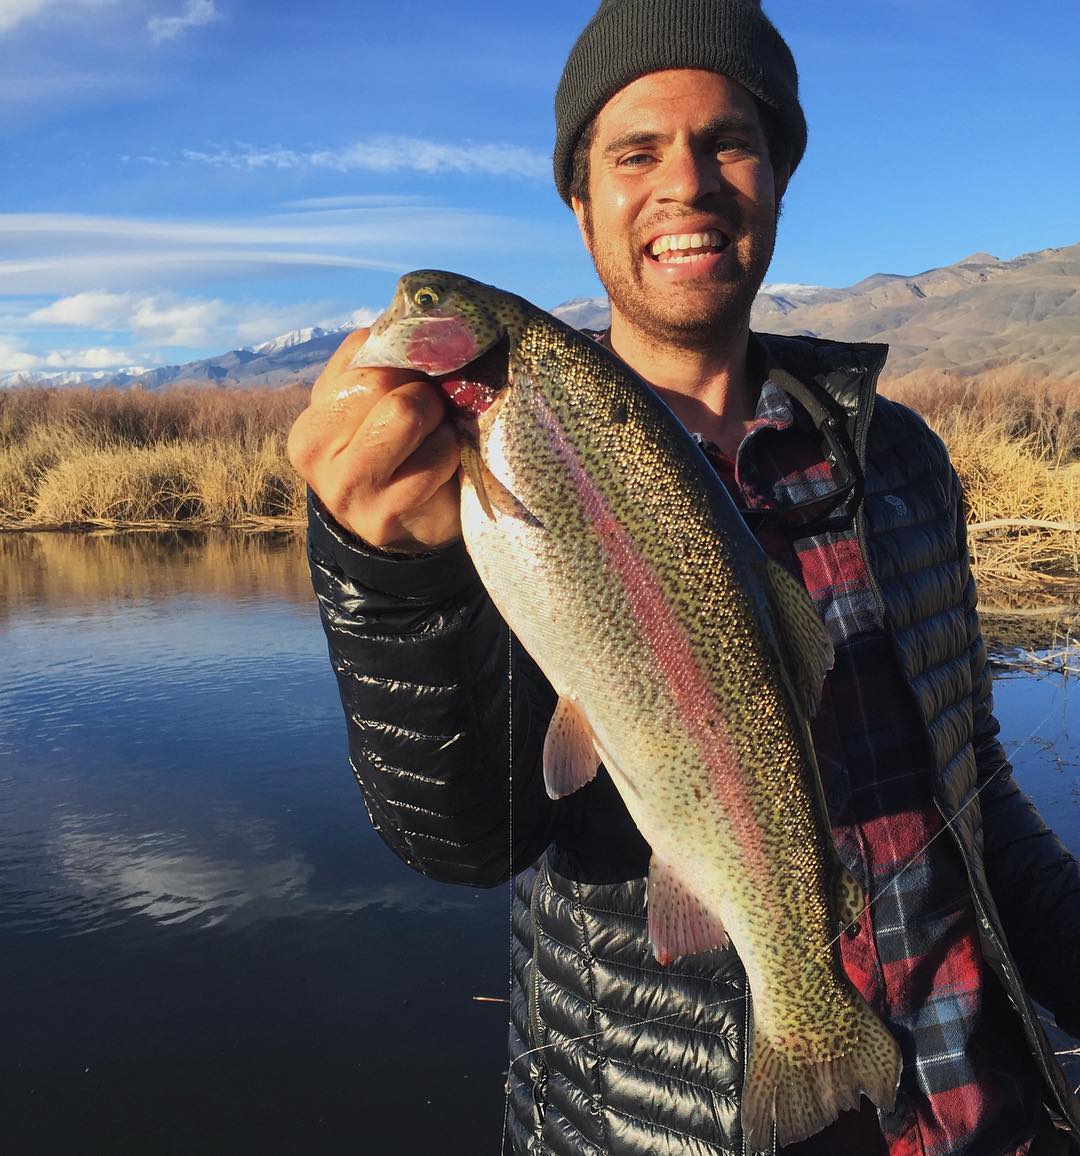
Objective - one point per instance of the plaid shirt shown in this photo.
(968, 1085)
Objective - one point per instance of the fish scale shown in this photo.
(683, 657)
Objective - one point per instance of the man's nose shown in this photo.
(687, 174)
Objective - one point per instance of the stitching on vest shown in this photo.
(664, 1076)
(565, 1119)
(666, 974)
(674, 1131)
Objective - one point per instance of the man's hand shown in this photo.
(376, 446)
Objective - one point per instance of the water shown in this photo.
(205, 947)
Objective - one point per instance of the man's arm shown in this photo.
(422, 657)
(423, 666)
(1034, 879)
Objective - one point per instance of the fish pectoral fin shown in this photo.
(805, 641)
(490, 492)
(679, 923)
(474, 471)
(570, 758)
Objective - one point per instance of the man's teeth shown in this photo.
(678, 244)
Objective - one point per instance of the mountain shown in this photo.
(974, 315)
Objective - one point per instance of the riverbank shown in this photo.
(195, 458)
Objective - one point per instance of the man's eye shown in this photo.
(635, 160)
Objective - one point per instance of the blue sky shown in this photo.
(182, 177)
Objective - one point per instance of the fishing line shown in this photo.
(869, 903)
(946, 825)
(509, 861)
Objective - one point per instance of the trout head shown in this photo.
(451, 328)
(459, 332)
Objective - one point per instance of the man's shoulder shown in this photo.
(847, 370)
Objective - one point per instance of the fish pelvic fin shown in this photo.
(679, 923)
(570, 758)
(803, 1096)
(805, 643)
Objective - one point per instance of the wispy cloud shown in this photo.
(196, 14)
(67, 253)
(386, 154)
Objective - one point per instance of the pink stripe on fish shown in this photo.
(670, 647)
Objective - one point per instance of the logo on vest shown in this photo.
(897, 503)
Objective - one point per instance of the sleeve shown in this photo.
(428, 673)
(1034, 879)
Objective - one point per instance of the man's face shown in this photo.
(683, 202)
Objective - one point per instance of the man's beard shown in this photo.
(701, 321)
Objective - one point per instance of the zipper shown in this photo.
(537, 1067)
(534, 968)
(1008, 969)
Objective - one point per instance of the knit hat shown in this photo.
(626, 39)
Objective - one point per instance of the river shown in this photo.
(205, 947)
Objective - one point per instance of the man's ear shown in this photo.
(580, 211)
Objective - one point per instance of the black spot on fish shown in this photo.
(619, 414)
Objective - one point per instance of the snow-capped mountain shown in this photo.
(23, 377)
(965, 317)
(296, 337)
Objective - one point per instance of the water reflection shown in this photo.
(206, 947)
(60, 569)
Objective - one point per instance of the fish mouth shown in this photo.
(475, 386)
(687, 246)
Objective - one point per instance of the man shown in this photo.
(678, 128)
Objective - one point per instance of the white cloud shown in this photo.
(94, 310)
(16, 358)
(196, 14)
(86, 359)
(165, 319)
(16, 12)
(387, 154)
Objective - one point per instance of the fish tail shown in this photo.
(803, 1096)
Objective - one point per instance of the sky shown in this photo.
(183, 177)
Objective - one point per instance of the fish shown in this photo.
(685, 660)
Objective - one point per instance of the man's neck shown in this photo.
(709, 389)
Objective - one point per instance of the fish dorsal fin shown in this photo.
(570, 758)
(805, 645)
(679, 923)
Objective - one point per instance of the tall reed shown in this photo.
(195, 457)
(111, 457)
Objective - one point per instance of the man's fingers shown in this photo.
(424, 472)
(339, 360)
(393, 430)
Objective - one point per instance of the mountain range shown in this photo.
(977, 314)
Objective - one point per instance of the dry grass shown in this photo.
(1016, 447)
(114, 457)
(198, 457)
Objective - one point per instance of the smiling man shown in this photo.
(678, 129)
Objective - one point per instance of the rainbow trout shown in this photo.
(684, 658)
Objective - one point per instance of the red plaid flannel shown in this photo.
(968, 1084)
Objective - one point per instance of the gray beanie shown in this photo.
(626, 39)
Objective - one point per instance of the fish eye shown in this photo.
(426, 297)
